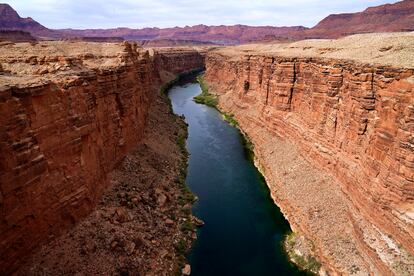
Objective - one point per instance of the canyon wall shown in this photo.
(171, 61)
(69, 113)
(355, 122)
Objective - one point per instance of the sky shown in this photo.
(82, 14)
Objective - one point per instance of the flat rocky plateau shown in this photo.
(24, 64)
(393, 49)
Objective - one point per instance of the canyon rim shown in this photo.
(93, 161)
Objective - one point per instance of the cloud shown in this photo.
(170, 13)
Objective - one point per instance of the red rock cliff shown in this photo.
(69, 112)
(353, 123)
(172, 61)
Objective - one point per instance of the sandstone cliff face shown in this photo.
(69, 112)
(171, 61)
(355, 122)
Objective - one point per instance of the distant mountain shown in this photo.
(95, 39)
(172, 42)
(10, 20)
(216, 34)
(385, 18)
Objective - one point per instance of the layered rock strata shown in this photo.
(69, 113)
(334, 137)
(172, 61)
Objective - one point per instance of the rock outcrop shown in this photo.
(334, 137)
(69, 113)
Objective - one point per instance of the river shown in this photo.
(243, 229)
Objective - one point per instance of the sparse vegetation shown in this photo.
(230, 119)
(304, 262)
(186, 195)
(181, 247)
(290, 240)
(205, 97)
(181, 141)
(248, 146)
(188, 226)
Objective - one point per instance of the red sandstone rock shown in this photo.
(62, 133)
(186, 270)
(171, 61)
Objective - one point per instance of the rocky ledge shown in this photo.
(332, 123)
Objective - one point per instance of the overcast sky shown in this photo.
(170, 13)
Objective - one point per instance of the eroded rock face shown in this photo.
(172, 61)
(66, 120)
(353, 121)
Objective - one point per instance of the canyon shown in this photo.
(69, 114)
(93, 160)
(332, 124)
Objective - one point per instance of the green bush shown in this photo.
(304, 262)
(230, 119)
(205, 97)
(188, 226)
